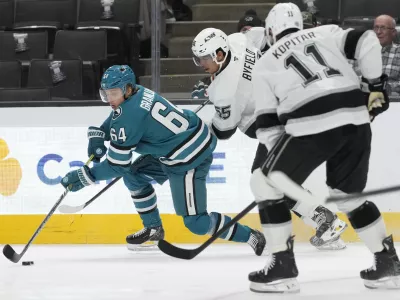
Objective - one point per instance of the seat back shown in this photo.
(23, 45)
(361, 22)
(124, 11)
(63, 78)
(6, 13)
(86, 45)
(10, 74)
(63, 11)
(24, 95)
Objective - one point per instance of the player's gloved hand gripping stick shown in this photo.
(68, 209)
(10, 253)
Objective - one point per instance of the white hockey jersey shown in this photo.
(230, 90)
(304, 84)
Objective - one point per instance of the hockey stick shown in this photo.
(293, 190)
(200, 107)
(181, 253)
(68, 209)
(10, 253)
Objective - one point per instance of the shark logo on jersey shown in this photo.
(117, 113)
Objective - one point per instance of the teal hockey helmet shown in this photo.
(117, 76)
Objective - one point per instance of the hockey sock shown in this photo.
(276, 222)
(368, 223)
(304, 209)
(146, 206)
(237, 233)
(210, 223)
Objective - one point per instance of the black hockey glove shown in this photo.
(378, 99)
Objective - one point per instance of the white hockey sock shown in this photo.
(277, 236)
(373, 235)
(306, 210)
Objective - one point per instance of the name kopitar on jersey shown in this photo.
(292, 42)
(249, 61)
(147, 99)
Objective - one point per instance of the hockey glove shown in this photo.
(378, 99)
(96, 146)
(200, 90)
(78, 179)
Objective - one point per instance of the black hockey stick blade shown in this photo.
(10, 253)
(181, 253)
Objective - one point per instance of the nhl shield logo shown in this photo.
(117, 113)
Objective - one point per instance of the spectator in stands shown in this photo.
(385, 29)
(251, 25)
(249, 20)
(180, 11)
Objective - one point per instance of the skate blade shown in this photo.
(148, 246)
(386, 283)
(284, 286)
(339, 244)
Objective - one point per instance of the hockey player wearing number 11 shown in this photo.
(231, 60)
(174, 144)
(326, 119)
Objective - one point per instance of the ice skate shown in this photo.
(257, 242)
(145, 239)
(385, 273)
(329, 229)
(279, 274)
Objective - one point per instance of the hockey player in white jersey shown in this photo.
(305, 83)
(230, 61)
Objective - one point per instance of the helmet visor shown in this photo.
(111, 95)
(198, 60)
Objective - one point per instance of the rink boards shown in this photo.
(39, 145)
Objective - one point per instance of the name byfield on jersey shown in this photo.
(230, 90)
(249, 62)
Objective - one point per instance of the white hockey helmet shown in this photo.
(206, 44)
(282, 16)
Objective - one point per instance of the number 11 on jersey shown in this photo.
(292, 61)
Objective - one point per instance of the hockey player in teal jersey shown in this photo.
(174, 144)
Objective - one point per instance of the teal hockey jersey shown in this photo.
(149, 124)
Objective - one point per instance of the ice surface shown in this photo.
(220, 272)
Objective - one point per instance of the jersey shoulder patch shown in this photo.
(116, 113)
